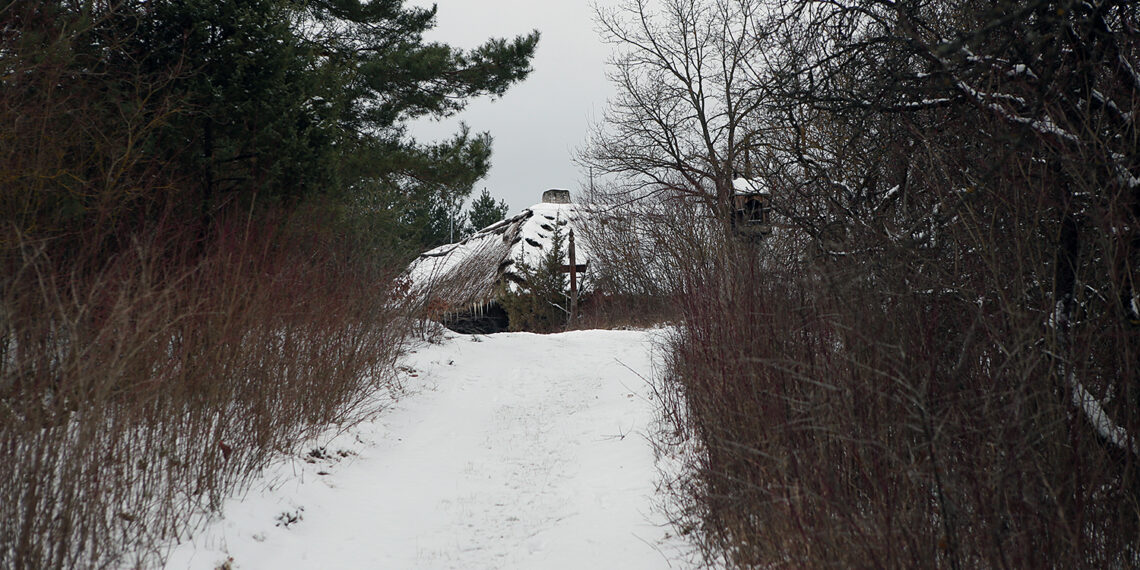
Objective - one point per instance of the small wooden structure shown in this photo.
(752, 209)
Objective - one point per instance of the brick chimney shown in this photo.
(556, 196)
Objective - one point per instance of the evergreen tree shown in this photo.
(542, 302)
(252, 103)
(485, 211)
(443, 224)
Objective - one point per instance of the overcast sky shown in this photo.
(539, 123)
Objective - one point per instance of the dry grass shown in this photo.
(894, 409)
(856, 422)
(138, 393)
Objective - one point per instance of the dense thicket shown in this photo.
(204, 206)
(932, 362)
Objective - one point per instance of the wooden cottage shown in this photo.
(459, 283)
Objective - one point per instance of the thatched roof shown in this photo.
(468, 273)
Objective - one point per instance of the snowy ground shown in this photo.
(510, 451)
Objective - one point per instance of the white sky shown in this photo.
(540, 122)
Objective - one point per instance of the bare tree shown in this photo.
(1035, 94)
(948, 376)
(688, 92)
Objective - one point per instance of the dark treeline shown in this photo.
(933, 359)
(120, 115)
(204, 209)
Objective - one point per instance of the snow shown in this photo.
(1084, 400)
(1022, 69)
(569, 216)
(747, 187)
(1101, 422)
(926, 103)
(512, 450)
(1044, 125)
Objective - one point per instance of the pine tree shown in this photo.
(542, 302)
(252, 104)
(485, 211)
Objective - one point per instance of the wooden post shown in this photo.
(573, 279)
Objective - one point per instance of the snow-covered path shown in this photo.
(513, 451)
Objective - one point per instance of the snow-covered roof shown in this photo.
(466, 273)
(747, 187)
